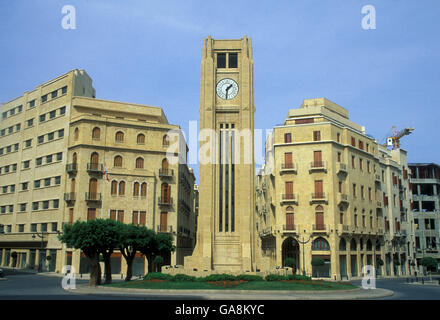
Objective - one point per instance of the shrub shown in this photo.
(219, 277)
(428, 262)
(183, 278)
(298, 277)
(158, 276)
(249, 277)
(380, 262)
(275, 277)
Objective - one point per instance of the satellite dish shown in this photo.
(390, 142)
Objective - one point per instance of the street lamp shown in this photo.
(40, 265)
(303, 243)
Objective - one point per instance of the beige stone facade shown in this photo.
(134, 146)
(320, 195)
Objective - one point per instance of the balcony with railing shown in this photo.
(377, 178)
(318, 197)
(342, 198)
(320, 228)
(165, 201)
(166, 173)
(318, 166)
(341, 167)
(343, 229)
(289, 198)
(288, 167)
(379, 204)
(164, 228)
(96, 168)
(70, 196)
(93, 196)
(72, 168)
(290, 228)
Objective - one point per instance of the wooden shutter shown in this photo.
(163, 221)
(317, 158)
(135, 217)
(121, 215)
(288, 159)
(91, 214)
(318, 187)
(71, 216)
(144, 189)
(319, 217)
(143, 218)
(113, 214)
(93, 187)
(289, 189)
(290, 223)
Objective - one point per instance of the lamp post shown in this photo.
(40, 265)
(303, 254)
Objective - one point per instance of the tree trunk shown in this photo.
(95, 269)
(129, 268)
(107, 267)
(150, 262)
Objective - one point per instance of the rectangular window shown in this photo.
(35, 205)
(49, 159)
(23, 207)
(37, 184)
(12, 188)
(59, 156)
(340, 187)
(221, 60)
(52, 114)
(14, 167)
(39, 161)
(47, 182)
(287, 138)
(57, 180)
(54, 226)
(50, 136)
(339, 157)
(42, 117)
(2, 132)
(64, 90)
(353, 141)
(54, 94)
(352, 162)
(44, 227)
(60, 133)
(30, 122)
(316, 135)
(360, 164)
(21, 228)
(367, 147)
(233, 60)
(33, 227)
(338, 137)
(62, 110)
(16, 146)
(361, 145)
(40, 139)
(24, 186)
(354, 189)
(56, 204)
(18, 127)
(45, 204)
(31, 104)
(28, 143)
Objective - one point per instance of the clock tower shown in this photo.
(226, 236)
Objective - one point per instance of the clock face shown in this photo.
(227, 89)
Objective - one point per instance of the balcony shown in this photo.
(164, 228)
(317, 166)
(72, 168)
(377, 178)
(379, 204)
(289, 198)
(290, 228)
(288, 167)
(265, 232)
(318, 197)
(95, 197)
(342, 198)
(166, 173)
(70, 196)
(343, 229)
(341, 167)
(165, 201)
(320, 228)
(96, 168)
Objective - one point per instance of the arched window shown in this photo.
(136, 189)
(290, 220)
(96, 133)
(141, 138)
(369, 245)
(75, 158)
(319, 218)
(119, 137)
(114, 189)
(144, 189)
(94, 160)
(377, 245)
(117, 162)
(139, 163)
(165, 141)
(342, 244)
(122, 188)
(320, 244)
(165, 166)
(353, 245)
(76, 134)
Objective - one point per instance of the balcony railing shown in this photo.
(342, 198)
(288, 167)
(377, 177)
(318, 197)
(289, 197)
(318, 165)
(289, 227)
(319, 228)
(165, 201)
(94, 168)
(164, 228)
(341, 167)
(166, 173)
(93, 196)
(70, 196)
(72, 168)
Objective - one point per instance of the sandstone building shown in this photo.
(71, 156)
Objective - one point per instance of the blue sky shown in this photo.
(149, 52)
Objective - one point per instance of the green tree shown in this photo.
(160, 244)
(318, 262)
(429, 262)
(93, 238)
(133, 238)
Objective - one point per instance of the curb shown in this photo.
(354, 294)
